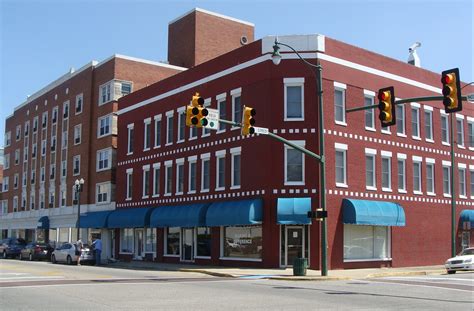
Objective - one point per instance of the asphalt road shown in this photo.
(43, 286)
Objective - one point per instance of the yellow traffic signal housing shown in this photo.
(195, 113)
(197, 100)
(248, 121)
(452, 100)
(387, 106)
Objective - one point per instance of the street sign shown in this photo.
(213, 119)
(261, 130)
(470, 98)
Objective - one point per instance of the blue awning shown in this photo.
(467, 215)
(43, 223)
(130, 218)
(179, 216)
(293, 211)
(95, 219)
(234, 213)
(372, 213)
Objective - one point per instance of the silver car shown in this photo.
(69, 253)
(462, 262)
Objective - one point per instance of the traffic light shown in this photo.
(387, 106)
(195, 113)
(248, 121)
(452, 100)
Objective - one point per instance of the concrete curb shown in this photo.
(403, 273)
(217, 274)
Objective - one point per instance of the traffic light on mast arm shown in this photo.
(387, 106)
(248, 121)
(195, 113)
(452, 100)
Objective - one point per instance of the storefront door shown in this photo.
(187, 249)
(139, 243)
(294, 244)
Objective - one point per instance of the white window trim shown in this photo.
(130, 126)
(205, 157)
(470, 120)
(169, 115)
(415, 106)
(419, 160)
(341, 87)
(293, 82)
(157, 119)
(110, 115)
(156, 179)
(430, 162)
(128, 172)
(108, 193)
(167, 191)
(78, 156)
(344, 148)
(81, 96)
(372, 153)
(235, 152)
(236, 93)
(387, 155)
(192, 160)
(301, 143)
(370, 94)
(220, 98)
(460, 118)
(145, 168)
(109, 150)
(429, 109)
(78, 126)
(462, 167)
(220, 154)
(179, 162)
(180, 111)
(146, 123)
(111, 85)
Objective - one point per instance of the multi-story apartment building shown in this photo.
(64, 132)
(216, 197)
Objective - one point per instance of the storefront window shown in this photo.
(53, 237)
(172, 241)
(366, 242)
(40, 235)
(204, 242)
(243, 242)
(126, 240)
(150, 242)
(63, 235)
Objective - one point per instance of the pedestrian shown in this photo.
(79, 246)
(97, 244)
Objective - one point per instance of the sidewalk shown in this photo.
(281, 274)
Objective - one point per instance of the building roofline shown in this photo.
(54, 84)
(211, 13)
(94, 64)
(141, 60)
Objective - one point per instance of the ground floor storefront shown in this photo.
(266, 233)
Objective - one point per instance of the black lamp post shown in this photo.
(276, 58)
(78, 185)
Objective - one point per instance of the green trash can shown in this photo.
(299, 266)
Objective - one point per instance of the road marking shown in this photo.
(30, 277)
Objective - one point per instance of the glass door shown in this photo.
(187, 251)
(139, 244)
(294, 244)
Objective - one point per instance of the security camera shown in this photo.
(414, 46)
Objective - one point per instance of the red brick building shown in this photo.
(64, 132)
(216, 197)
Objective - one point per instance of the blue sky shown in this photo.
(41, 39)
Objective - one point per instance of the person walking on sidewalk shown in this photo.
(79, 246)
(97, 244)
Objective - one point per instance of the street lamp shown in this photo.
(78, 185)
(276, 58)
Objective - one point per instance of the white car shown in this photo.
(462, 262)
(68, 253)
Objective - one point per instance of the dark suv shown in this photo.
(11, 247)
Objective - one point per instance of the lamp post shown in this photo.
(78, 185)
(276, 58)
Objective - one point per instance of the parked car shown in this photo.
(11, 247)
(464, 261)
(36, 251)
(68, 253)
